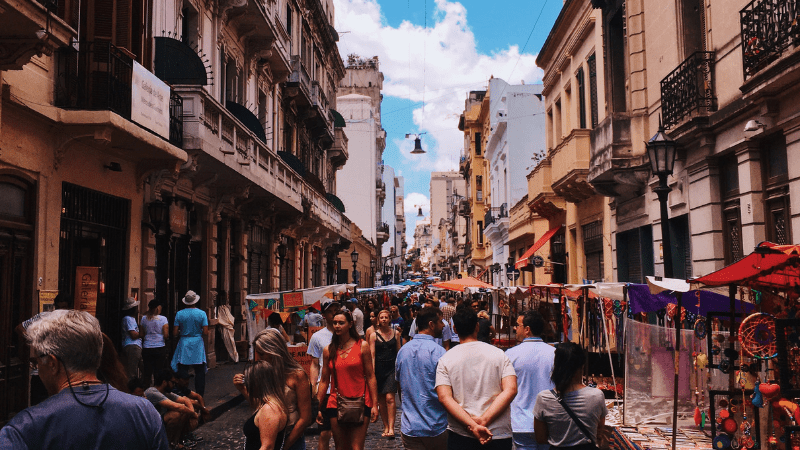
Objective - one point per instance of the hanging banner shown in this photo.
(149, 101)
(292, 300)
(87, 284)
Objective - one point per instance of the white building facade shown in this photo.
(516, 135)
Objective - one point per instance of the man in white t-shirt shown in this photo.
(316, 346)
(476, 383)
(358, 316)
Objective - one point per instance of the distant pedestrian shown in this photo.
(312, 318)
(384, 344)
(423, 423)
(266, 428)
(316, 347)
(82, 412)
(373, 324)
(358, 316)
(131, 339)
(448, 308)
(533, 363)
(269, 346)
(275, 321)
(552, 423)
(191, 324)
(476, 384)
(155, 331)
(347, 365)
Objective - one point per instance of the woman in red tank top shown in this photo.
(347, 365)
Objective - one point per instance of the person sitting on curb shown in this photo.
(177, 412)
(181, 388)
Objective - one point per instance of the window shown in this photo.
(615, 57)
(635, 254)
(593, 249)
(557, 111)
(480, 232)
(478, 144)
(479, 188)
(258, 260)
(732, 223)
(581, 82)
(189, 25)
(289, 19)
(593, 88)
(776, 195)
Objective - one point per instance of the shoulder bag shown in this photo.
(591, 445)
(350, 410)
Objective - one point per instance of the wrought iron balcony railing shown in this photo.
(688, 89)
(769, 27)
(99, 77)
(96, 77)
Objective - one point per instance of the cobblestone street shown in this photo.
(226, 432)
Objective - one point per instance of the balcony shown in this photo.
(615, 170)
(570, 167)
(338, 152)
(322, 109)
(464, 208)
(299, 83)
(231, 151)
(94, 86)
(33, 28)
(382, 233)
(769, 28)
(689, 89)
(543, 201)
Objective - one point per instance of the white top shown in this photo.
(153, 331)
(475, 371)
(316, 347)
(358, 318)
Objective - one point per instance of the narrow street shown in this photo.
(226, 432)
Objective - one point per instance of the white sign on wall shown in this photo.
(150, 101)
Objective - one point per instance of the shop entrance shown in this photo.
(94, 232)
(16, 250)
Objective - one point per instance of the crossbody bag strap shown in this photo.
(574, 417)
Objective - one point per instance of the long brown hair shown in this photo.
(111, 370)
(333, 349)
(265, 383)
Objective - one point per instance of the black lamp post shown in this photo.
(372, 265)
(661, 150)
(354, 258)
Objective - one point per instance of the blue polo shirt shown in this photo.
(423, 415)
(533, 363)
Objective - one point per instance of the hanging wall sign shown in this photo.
(87, 284)
(149, 101)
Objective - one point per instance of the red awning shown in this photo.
(523, 261)
(771, 265)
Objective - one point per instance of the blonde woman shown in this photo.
(270, 346)
(266, 428)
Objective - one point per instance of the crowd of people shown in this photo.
(458, 391)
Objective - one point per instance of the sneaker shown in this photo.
(191, 436)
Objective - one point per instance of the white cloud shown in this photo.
(414, 201)
(440, 63)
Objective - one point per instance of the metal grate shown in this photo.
(592, 61)
(769, 27)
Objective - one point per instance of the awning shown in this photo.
(523, 261)
(770, 265)
(247, 118)
(177, 63)
(338, 120)
(460, 284)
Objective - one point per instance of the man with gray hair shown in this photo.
(82, 412)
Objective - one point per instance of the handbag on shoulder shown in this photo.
(350, 410)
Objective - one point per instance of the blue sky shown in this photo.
(438, 63)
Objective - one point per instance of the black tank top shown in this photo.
(252, 436)
(385, 351)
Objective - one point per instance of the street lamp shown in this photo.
(354, 258)
(661, 150)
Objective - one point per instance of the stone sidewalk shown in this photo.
(220, 395)
(226, 432)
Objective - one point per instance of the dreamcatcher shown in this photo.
(757, 336)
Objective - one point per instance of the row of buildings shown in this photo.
(149, 147)
(576, 199)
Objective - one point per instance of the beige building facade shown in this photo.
(222, 180)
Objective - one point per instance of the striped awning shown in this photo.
(523, 261)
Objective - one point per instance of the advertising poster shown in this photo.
(47, 300)
(299, 353)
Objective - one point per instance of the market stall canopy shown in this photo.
(408, 283)
(389, 288)
(641, 300)
(523, 261)
(660, 284)
(462, 283)
(769, 266)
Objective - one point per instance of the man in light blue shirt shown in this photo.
(423, 424)
(313, 318)
(533, 362)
